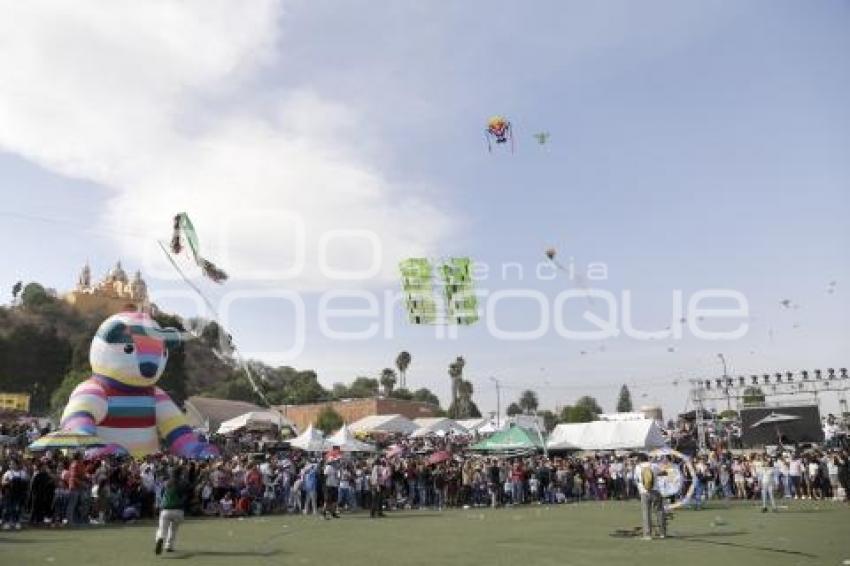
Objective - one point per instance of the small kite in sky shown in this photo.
(542, 137)
(671, 349)
(830, 289)
(551, 254)
(499, 130)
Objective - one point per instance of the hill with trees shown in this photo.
(44, 351)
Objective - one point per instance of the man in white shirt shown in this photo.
(767, 479)
(331, 490)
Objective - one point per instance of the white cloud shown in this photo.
(164, 103)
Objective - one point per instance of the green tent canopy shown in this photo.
(514, 440)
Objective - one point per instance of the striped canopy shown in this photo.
(64, 439)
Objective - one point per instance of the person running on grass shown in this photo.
(173, 501)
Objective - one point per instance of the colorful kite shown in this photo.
(456, 304)
(185, 231)
(499, 129)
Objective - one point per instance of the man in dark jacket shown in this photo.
(42, 488)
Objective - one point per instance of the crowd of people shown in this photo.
(52, 489)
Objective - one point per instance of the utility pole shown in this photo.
(725, 382)
(498, 402)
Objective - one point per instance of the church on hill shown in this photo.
(116, 292)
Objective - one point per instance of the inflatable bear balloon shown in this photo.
(121, 404)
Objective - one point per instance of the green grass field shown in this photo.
(726, 535)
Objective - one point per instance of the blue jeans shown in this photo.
(767, 493)
(516, 492)
(699, 490)
(12, 509)
(73, 502)
(346, 497)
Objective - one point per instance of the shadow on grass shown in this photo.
(15, 540)
(704, 539)
(224, 553)
(394, 516)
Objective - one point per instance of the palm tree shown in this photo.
(402, 362)
(465, 391)
(528, 401)
(388, 380)
(456, 375)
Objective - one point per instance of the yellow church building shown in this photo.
(114, 293)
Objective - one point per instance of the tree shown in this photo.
(401, 393)
(16, 290)
(328, 420)
(456, 374)
(33, 359)
(753, 397)
(528, 401)
(624, 401)
(465, 408)
(388, 380)
(424, 395)
(577, 414)
(402, 362)
(363, 387)
(550, 419)
(513, 410)
(590, 403)
(34, 295)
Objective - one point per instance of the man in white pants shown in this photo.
(171, 515)
(645, 479)
(767, 479)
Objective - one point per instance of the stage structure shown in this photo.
(767, 390)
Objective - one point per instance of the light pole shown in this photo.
(725, 384)
(498, 402)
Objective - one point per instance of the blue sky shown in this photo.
(693, 145)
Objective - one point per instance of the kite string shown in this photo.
(240, 361)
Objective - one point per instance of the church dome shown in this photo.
(118, 273)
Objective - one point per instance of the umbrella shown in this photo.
(775, 418)
(438, 457)
(66, 440)
(394, 451)
(104, 451)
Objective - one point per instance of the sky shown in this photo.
(694, 146)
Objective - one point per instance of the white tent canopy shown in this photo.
(490, 427)
(472, 425)
(384, 423)
(607, 435)
(255, 419)
(345, 441)
(311, 440)
(437, 426)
